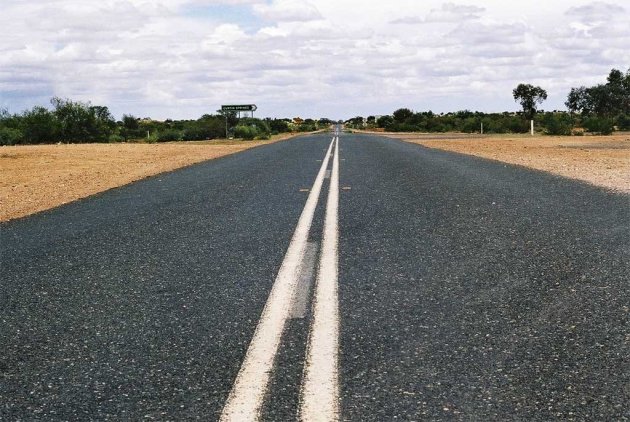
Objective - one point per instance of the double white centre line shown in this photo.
(319, 396)
(320, 390)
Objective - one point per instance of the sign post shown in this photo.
(236, 108)
(242, 107)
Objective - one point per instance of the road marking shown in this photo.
(305, 282)
(245, 399)
(320, 388)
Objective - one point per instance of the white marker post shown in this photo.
(532, 127)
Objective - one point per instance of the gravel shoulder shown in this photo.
(39, 177)
(600, 160)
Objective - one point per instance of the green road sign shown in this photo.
(242, 107)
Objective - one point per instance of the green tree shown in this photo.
(10, 136)
(130, 127)
(324, 122)
(356, 122)
(529, 96)
(557, 123)
(402, 114)
(82, 122)
(385, 122)
(279, 125)
(39, 126)
(604, 100)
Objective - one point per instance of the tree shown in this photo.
(130, 127)
(104, 123)
(324, 122)
(39, 125)
(528, 96)
(356, 122)
(604, 100)
(82, 122)
(578, 100)
(384, 122)
(402, 114)
(279, 126)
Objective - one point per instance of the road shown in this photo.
(348, 277)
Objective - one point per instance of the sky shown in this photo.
(338, 59)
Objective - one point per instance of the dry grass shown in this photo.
(600, 160)
(39, 177)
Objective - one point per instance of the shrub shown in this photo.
(40, 126)
(623, 122)
(115, 138)
(384, 122)
(601, 125)
(245, 132)
(471, 125)
(9, 136)
(169, 135)
(194, 133)
(557, 124)
(279, 126)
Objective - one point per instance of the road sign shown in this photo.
(241, 107)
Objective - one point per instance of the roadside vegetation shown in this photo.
(599, 109)
(70, 121)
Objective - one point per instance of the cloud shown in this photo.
(447, 13)
(597, 11)
(183, 58)
(408, 20)
(450, 12)
(287, 11)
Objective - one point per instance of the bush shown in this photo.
(169, 135)
(40, 126)
(9, 136)
(115, 138)
(278, 126)
(471, 125)
(384, 122)
(82, 122)
(305, 127)
(557, 124)
(245, 132)
(195, 133)
(623, 122)
(600, 125)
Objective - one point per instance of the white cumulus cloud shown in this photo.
(334, 58)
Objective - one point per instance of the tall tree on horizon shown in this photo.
(529, 96)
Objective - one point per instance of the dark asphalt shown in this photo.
(140, 302)
(474, 290)
(469, 290)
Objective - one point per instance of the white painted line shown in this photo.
(302, 298)
(245, 399)
(320, 388)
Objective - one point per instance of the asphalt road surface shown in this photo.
(347, 277)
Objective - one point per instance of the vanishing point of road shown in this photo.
(335, 276)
